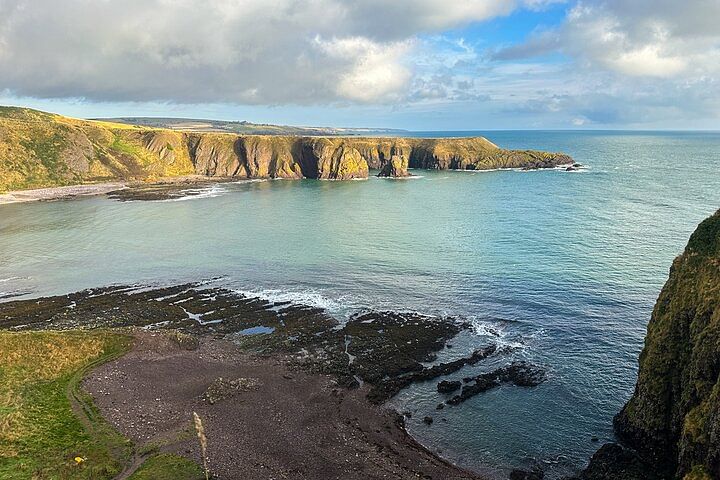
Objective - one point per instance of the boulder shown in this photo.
(448, 386)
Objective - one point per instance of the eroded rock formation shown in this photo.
(41, 150)
(396, 167)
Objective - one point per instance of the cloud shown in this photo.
(648, 61)
(236, 51)
(654, 38)
(639, 62)
(377, 70)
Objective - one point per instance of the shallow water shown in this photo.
(565, 265)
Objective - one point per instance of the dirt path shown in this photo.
(262, 420)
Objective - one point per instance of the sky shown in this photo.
(412, 64)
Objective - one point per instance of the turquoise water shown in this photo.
(564, 265)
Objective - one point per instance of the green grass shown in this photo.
(168, 467)
(122, 146)
(40, 435)
(47, 421)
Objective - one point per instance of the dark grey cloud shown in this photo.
(241, 51)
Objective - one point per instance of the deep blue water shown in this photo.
(564, 265)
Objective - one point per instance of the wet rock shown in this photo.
(387, 388)
(164, 191)
(348, 381)
(615, 462)
(448, 386)
(387, 348)
(428, 420)
(534, 474)
(522, 374)
(440, 406)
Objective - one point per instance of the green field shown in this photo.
(49, 428)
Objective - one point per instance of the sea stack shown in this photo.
(396, 167)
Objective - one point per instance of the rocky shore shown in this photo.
(59, 193)
(297, 371)
(311, 428)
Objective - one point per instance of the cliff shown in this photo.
(39, 149)
(672, 421)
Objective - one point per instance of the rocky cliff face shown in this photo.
(672, 421)
(396, 167)
(40, 149)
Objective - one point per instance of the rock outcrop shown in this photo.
(40, 149)
(672, 422)
(396, 167)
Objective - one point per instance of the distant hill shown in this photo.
(247, 128)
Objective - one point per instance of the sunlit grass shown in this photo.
(40, 435)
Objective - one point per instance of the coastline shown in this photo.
(165, 187)
(67, 192)
(59, 193)
(287, 369)
(312, 427)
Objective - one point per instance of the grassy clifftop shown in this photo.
(39, 149)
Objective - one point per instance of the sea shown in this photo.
(564, 266)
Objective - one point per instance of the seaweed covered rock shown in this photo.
(448, 386)
(613, 461)
(521, 374)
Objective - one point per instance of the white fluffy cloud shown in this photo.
(642, 62)
(653, 38)
(238, 51)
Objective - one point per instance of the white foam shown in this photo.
(484, 328)
(198, 193)
(341, 306)
(483, 170)
(410, 177)
(254, 180)
(12, 279)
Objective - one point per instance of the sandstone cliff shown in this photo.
(40, 149)
(672, 421)
(397, 166)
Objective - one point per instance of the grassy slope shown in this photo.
(168, 467)
(40, 149)
(673, 417)
(46, 420)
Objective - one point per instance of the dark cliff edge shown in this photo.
(670, 428)
(39, 149)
